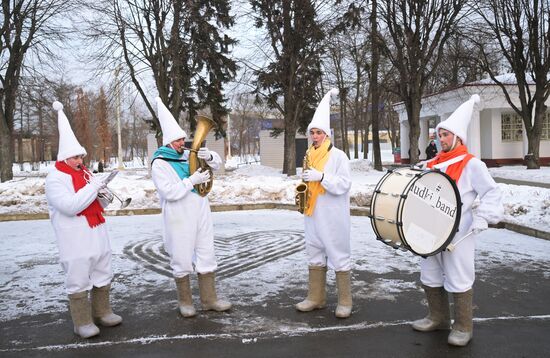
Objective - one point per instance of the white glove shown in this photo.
(199, 177)
(204, 154)
(312, 175)
(97, 183)
(479, 224)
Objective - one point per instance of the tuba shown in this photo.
(204, 125)
(302, 192)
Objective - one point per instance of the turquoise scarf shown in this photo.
(175, 160)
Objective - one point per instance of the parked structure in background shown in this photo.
(496, 131)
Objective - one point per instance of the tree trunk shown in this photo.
(375, 93)
(6, 151)
(532, 159)
(413, 112)
(289, 161)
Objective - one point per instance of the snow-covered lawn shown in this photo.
(253, 183)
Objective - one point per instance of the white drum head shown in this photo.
(430, 214)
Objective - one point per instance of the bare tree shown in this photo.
(103, 128)
(27, 26)
(182, 44)
(82, 122)
(459, 63)
(242, 110)
(374, 88)
(417, 34)
(521, 32)
(294, 35)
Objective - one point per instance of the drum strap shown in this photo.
(449, 162)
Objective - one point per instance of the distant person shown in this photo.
(188, 229)
(431, 150)
(327, 217)
(453, 271)
(76, 213)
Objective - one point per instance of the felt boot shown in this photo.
(185, 300)
(101, 307)
(438, 311)
(343, 283)
(463, 326)
(316, 296)
(81, 313)
(209, 299)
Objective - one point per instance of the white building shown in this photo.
(496, 134)
(272, 149)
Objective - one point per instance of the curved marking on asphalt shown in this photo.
(254, 249)
(274, 334)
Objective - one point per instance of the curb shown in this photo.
(354, 211)
(522, 182)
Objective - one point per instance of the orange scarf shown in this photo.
(93, 212)
(316, 158)
(453, 170)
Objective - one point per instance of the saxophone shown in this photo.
(302, 193)
(204, 125)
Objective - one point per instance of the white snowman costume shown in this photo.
(454, 270)
(327, 230)
(84, 252)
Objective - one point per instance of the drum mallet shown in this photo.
(451, 246)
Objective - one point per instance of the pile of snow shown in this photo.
(254, 183)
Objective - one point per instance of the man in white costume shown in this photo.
(327, 217)
(453, 271)
(79, 226)
(188, 228)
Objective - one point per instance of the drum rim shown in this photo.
(373, 202)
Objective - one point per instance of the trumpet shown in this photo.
(106, 193)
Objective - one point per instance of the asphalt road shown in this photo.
(511, 311)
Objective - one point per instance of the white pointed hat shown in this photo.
(68, 144)
(459, 121)
(321, 118)
(170, 127)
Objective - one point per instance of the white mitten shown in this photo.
(97, 183)
(312, 175)
(204, 154)
(199, 177)
(479, 224)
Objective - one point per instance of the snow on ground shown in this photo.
(253, 183)
(520, 172)
(31, 279)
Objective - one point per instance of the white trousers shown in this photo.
(453, 270)
(82, 273)
(189, 239)
(325, 245)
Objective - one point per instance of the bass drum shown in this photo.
(416, 210)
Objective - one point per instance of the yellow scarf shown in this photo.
(316, 158)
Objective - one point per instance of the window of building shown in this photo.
(512, 127)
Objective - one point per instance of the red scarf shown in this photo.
(93, 212)
(453, 170)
